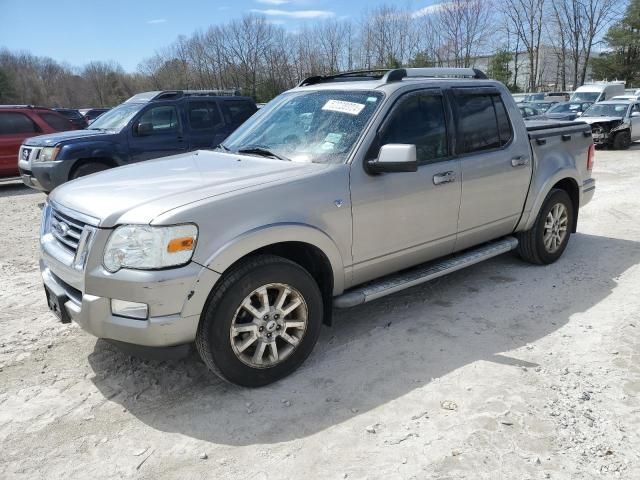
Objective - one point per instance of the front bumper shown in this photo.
(93, 314)
(175, 297)
(601, 138)
(44, 176)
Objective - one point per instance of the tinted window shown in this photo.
(418, 119)
(204, 115)
(70, 114)
(240, 110)
(477, 122)
(504, 125)
(57, 122)
(14, 122)
(93, 114)
(163, 119)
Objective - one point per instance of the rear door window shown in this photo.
(12, 123)
(239, 110)
(476, 122)
(57, 122)
(204, 115)
(504, 124)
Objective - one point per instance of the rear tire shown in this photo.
(251, 332)
(621, 141)
(87, 168)
(545, 242)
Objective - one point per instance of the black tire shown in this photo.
(87, 168)
(531, 246)
(621, 141)
(213, 336)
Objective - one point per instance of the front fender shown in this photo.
(253, 240)
(527, 221)
(99, 149)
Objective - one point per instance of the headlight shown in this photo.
(144, 247)
(48, 154)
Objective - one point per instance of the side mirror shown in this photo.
(144, 129)
(394, 157)
(635, 114)
(578, 114)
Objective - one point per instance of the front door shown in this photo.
(157, 132)
(496, 165)
(403, 219)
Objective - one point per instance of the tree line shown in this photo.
(262, 59)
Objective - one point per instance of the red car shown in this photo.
(18, 122)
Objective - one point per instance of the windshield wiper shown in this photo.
(223, 147)
(265, 152)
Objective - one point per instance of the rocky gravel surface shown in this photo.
(502, 371)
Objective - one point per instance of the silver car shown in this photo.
(340, 191)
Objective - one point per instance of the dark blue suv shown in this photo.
(148, 125)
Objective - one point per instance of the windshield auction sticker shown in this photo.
(343, 107)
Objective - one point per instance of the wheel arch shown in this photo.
(564, 180)
(312, 249)
(105, 160)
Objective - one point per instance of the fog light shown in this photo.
(122, 308)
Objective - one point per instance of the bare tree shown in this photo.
(525, 20)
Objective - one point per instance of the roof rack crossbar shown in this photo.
(432, 72)
(372, 74)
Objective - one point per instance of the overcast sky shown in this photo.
(127, 31)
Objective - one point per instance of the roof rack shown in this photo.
(395, 75)
(167, 94)
(20, 106)
(175, 94)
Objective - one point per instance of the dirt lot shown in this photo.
(501, 371)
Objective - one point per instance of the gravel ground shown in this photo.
(501, 371)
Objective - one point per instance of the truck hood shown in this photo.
(140, 192)
(592, 120)
(52, 139)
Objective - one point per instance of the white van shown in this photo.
(597, 92)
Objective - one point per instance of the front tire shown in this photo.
(87, 168)
(261, 322)
(545, 242)
(621, 141)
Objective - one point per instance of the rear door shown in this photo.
(206, 126)
(15, 127)
(156, 132)
(495, 162)
(237, 111)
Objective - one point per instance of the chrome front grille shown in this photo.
(66, 230)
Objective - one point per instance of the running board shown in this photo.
(423, 273)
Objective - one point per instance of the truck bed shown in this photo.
(546, 125)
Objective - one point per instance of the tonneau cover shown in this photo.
(534, 125)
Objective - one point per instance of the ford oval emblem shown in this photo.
(62, 228)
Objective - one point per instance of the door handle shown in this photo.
(519, 161)
(444, 177)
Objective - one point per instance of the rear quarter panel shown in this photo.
(554, 160)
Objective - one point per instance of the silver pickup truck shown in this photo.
(340, 191)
